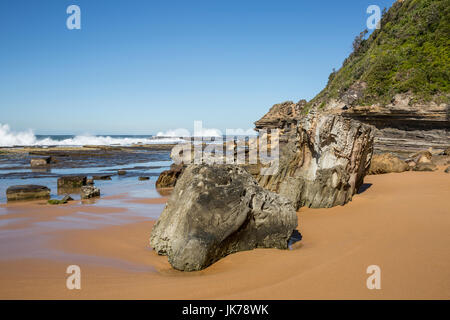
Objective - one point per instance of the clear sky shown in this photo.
(143, 66)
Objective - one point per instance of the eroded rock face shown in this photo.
(323, 163)
(27, 192)
(387, 163)
(216, 210)
(281, 116)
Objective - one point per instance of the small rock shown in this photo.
(102, 177)
(168, 178)
(144, 178)
(90, 181)
(121, 172)
(72, 181)
(40, 162)
(88, 192)
(447, 170)
(27, 192)
(447, 151)
(67, 199)
(425, 167)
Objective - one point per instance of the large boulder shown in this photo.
(27, 192)
(216, 210)
(387, 163)
(323, 163)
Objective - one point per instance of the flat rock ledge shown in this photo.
(27, 192)
(216, 210)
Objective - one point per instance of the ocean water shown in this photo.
(10, 138)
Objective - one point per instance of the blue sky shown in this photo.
(143, 66)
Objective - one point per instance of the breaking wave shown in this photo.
(10, 138)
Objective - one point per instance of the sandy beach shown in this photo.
(400, 222)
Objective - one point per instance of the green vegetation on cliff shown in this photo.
(409, 53)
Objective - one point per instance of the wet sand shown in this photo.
(401, 223)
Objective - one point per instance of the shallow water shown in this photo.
(15, 170)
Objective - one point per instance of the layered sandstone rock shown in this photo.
(323, 162)
(216, 210)
(281, 116)
(403, 126)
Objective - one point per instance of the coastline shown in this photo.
(400, 222)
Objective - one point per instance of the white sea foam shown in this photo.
(181, 132)
(9, 138)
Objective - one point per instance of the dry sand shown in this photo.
(400, 223)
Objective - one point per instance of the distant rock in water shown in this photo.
(40, 162)
(71, 181)
(322, 162)
(27, 192)
(168, 178)
(216, 210)
(101, 177)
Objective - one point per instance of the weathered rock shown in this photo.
(281, 116)
(40, 162)
(425, 167)
(27, 192)
(168, 178)
(447, 170)
(88, 192)
(388, 163)
(216, 210)
(144, 178)
(323, 163)
(71, 181)
(121, 172)
(447, 151)
(89, 181)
